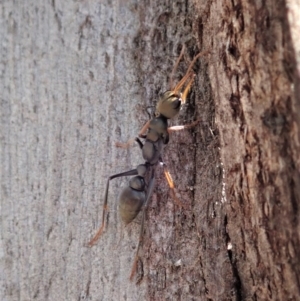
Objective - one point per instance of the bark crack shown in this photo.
(235, 271)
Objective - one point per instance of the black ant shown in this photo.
(156, 134)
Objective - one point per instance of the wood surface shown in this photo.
(79, 76)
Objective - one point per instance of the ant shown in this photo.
(156, 134)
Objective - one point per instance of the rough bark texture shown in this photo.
(257, 114)
(78, 76)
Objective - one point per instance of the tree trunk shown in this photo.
(76, 77)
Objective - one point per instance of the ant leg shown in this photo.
(149, 194)
(183, 127)
(140, 143)
(172, 186)
(126, 144)
(202, 53)
(175, 66)
(131, 141)
(144, 129)
(186, 90)
(183, 81)
(132, 172)
(188, 74)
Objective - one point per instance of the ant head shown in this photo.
(169, 104)
(171, 101)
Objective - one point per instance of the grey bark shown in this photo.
(78, 76)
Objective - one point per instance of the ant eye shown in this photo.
(176, 103)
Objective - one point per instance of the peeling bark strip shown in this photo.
(78, 76)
